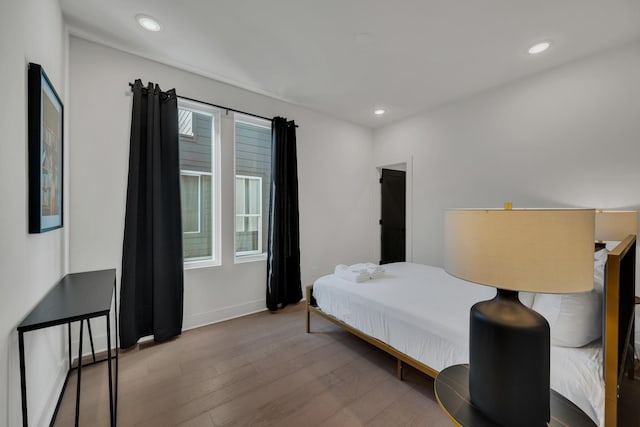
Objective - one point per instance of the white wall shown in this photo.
(568, 137)
(30, 31)
(335, 178)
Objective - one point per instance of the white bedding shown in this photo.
(424, 312)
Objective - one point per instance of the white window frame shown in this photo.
(259, 216)
(242, 257)
(216, 236)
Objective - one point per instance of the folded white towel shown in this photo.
(373, 270)
(369, 269)
(344, 272)
(377, 273)
(358, 267)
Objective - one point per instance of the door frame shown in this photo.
(405, 165)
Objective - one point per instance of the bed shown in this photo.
(432, 333)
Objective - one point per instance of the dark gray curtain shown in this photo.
(151, 292)
(283, 253)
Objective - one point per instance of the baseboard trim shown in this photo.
(190, 322)
(51, 408)
(222, 314)
(193, 321)
(87, 359)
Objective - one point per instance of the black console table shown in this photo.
(76, 297)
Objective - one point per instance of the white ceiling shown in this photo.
(348, 57)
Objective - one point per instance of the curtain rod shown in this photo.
(222, 107)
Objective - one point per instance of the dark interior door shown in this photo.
(392, 216)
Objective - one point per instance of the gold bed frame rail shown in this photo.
(400, 357)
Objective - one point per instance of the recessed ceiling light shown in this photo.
(539, 48)
(148, 23)
(379, 111)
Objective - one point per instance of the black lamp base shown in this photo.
(509, 362)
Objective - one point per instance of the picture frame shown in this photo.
(45, 148)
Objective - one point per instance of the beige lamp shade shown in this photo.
(616, 225)
(541, 250)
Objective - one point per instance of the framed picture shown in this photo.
(45, 113)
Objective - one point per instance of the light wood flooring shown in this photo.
(258, 370)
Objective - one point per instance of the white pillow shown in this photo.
(599, 261)
(575, 319)
(526, 298)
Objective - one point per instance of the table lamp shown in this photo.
(537, 250)
(615, 225)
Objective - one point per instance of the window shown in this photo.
(253, 180)
(191, 192)
(199, 127)
(248, 215)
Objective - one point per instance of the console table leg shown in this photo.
(93, 350)
(23, 380)
(117, 331)
(79, 375)
(110, 376)
(69, 344)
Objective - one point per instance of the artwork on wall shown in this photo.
(45, 152)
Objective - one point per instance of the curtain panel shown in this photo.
(283, 253)
(152, 289)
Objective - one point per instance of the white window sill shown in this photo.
(190, 265)
(250, 258)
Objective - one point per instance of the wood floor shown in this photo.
(259, 370)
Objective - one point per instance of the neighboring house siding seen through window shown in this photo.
(252, 188)
(185, 122)
(199, 142)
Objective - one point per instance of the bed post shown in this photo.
(611, 342)
(619, 321)
(308, 292)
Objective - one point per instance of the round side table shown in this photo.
(452, 391)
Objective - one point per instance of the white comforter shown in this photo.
(424, 312)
